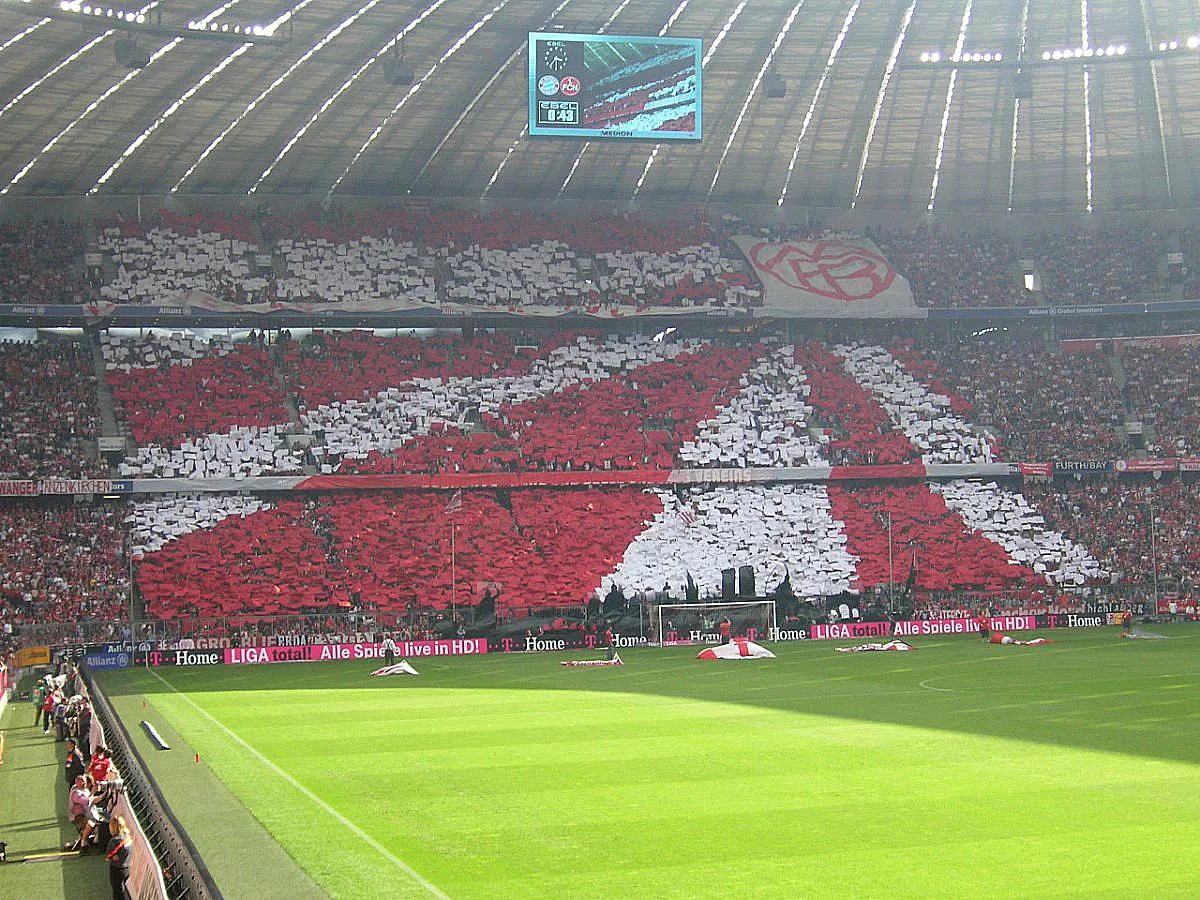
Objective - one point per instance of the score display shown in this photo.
(614, 86)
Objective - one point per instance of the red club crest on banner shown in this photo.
(830, 269)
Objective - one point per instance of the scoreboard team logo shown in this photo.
(548, 85)
(570, 86)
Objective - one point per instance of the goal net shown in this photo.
(700, 623)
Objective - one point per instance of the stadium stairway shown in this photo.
(108, 414)
(1118, 370)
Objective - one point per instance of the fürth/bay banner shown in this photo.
(837, 278)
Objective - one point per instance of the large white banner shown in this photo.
(838, 278)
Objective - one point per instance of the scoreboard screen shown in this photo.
(610, 86)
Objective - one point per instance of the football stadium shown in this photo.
(599, 449)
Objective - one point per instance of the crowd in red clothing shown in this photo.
(62, 562)
(1113, 519)
(355, 365)
(41, 262)
(955, 268)
(1163, 384)
(858, 427)
(1108, 265)
(49, 409)
(170, 403)
(391, 552)
(1039, 405)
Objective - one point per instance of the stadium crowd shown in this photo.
(423, 256)
(49, 408)
(42, 262)
(1037, 404)
(1113, 518)
(62, 563)
(1163, 384)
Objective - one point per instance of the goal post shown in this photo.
(699, 623)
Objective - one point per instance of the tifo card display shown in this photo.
(609, 86)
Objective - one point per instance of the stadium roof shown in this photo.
(865, 121)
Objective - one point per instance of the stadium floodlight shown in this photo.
(1193, 42)
(935, 56)
(698, 623)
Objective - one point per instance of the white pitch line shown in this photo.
(370, 841)
(925, 684)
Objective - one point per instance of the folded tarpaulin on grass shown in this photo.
(738, 648)
(863, 648)
(401, 668)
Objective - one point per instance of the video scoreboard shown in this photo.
(613, 86)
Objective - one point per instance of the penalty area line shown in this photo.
(400, 864)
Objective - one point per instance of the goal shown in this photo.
(699, 623)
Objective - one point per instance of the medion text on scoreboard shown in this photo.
(614, 86)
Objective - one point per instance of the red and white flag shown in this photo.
(455, 502)
(688, 516)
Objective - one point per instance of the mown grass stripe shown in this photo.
(358, 832)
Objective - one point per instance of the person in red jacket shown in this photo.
(52, 699)
(101, 765)
(726, 629)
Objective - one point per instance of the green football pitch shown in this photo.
(961, 769)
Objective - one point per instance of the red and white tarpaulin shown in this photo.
(845, 279)
(401, 668)
(738, 648)
(865, 648)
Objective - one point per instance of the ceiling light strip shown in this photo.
(1022, 36)
(812, 106)
(588, 144)
(1089, 172)
(889, 69)
(662, 32)
(113, 89)
(512, 57)
(346, 85)
(179, 102)
(280, 79)
(512, 148)
(90, 108)
(21, 35)
(412, 92)
(166, 114)
(50, 73)
(1162, 133)
(712, 49)
(762, 70)
(941, 143)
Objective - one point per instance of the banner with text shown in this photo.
(846, 631)
(327, 652)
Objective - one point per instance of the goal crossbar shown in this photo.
(699, 623)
